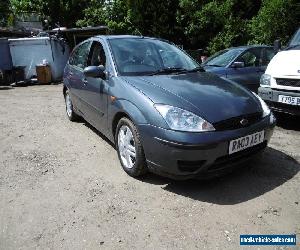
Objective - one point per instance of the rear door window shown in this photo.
(268, 55)
(257, 57)
(80, 55)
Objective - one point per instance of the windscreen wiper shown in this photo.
(197, 69)
(213, 65)
(167, 71)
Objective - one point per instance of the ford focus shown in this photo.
(162, 111)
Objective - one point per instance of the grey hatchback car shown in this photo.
(161, 110)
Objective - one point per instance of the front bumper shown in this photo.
(184, 155)
(270, 96)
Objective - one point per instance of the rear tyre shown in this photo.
(130, 149)
(69, 107)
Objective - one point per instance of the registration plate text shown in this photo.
(246, 142)
(289, 100)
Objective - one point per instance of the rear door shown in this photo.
(95, 89)
(75, 76)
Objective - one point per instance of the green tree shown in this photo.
(216, 24)
(149, 18)
(155, 18)
(18, 6)
(232, 34)
(206, 24)
(4, 12)
(65, 12)
(276, 19)
(111, 13)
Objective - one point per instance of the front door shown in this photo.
(249, 75)
(96, 89)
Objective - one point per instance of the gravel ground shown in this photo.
(62, 186)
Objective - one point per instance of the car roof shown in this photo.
(108, 37)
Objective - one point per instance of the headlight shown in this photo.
(265, 80)
(182, 120)
(266, 110)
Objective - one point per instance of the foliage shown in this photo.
(18, 6)
(64, 12)
(216, 24)
(4, 12)
(231, 35)
(111, 13)
(154, 18)
(206, 24)
(276, 19)
(149, 18)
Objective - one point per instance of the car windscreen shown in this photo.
(144, 56)
(214, 56)
(295, 41)
(223, 59)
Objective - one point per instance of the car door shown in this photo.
(248, 75)
(77, 62)
(95, 89)
(267, 54)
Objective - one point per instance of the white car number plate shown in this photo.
(246, 142)
(289, 100)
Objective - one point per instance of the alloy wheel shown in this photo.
(69, 105)
(126, 146)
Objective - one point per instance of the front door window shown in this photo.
(97, 55)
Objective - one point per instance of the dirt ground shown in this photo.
(62, 186)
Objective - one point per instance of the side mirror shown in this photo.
(95, 71)
(277, 45)
(238, 65)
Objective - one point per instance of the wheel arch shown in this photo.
(118, 116)
(124, 108)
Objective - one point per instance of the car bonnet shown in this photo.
(204, 94)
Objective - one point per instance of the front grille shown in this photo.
(222, 161)
(235, 122)
(282, 107)
(288, 82)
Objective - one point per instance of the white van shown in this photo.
(280, 85)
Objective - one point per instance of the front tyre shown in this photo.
(129, 148)
(69, 107)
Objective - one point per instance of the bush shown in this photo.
(276, 19)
